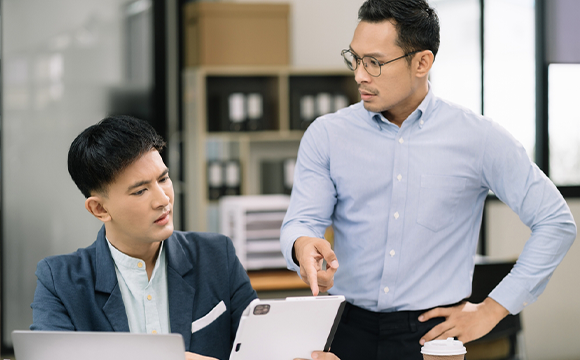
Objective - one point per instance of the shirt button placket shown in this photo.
(395, 231)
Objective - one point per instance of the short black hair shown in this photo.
(103, 150)
(417, 24)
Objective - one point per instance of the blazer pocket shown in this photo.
(438, 200)
(209, 317)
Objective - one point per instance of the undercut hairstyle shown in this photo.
(417, 24)
(102, 151)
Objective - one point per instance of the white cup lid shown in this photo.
(443, 347)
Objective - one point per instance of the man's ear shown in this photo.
(423, 62)
(94, 205)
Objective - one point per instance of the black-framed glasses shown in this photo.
(371, 65)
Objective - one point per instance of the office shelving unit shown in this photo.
(278, 138)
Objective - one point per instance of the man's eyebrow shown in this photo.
(165, 172)
(145, 182)
(375, 55)
(137, 184)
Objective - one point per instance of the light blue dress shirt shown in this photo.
(406, 205)
(146, 301)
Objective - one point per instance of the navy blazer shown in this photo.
(79, 291)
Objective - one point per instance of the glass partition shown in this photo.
(509, 68)
(564, 123)
(456, 73)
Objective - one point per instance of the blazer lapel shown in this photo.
(180, 291)
(106, 283)
(114, 309)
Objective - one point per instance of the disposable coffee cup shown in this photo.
(449, 349)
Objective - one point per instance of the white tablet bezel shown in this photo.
(290, 328)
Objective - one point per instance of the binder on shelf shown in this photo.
(232, 177)
(340, 102)
(253, 223)
(307, 111)
(241, 103)
(223, 178)
(323, 103)
(255, 106)
(318, 104)
(215, 180)
(312, 96)
(236, 112)
(289, 166)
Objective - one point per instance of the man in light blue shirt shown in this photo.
(402, 177)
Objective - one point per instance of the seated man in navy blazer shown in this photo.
(140, 275)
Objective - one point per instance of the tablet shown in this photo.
(288, 328)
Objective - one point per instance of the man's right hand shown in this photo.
(310, 253)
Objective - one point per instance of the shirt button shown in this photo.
(396, 215)
(401, 140)
(154, 332)
(525, 304)
(399, 177)
(386, 290)
(392, 253)
(421, 122)
(149, 297)
(139, 264)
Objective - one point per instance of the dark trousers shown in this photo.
(364, 334)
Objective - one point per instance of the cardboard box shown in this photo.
(222, 33)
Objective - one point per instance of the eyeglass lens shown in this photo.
(372, 65)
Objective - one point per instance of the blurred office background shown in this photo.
(65, 64)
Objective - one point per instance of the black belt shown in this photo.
(380, 322)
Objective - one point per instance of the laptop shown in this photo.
(75, 345)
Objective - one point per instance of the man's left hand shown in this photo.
(466, 321)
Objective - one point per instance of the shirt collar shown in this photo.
(417, 115)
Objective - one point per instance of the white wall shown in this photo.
(551, 323)
(320, 29)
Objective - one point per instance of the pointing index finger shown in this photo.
(312, 276)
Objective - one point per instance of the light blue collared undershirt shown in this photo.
(146, 301)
